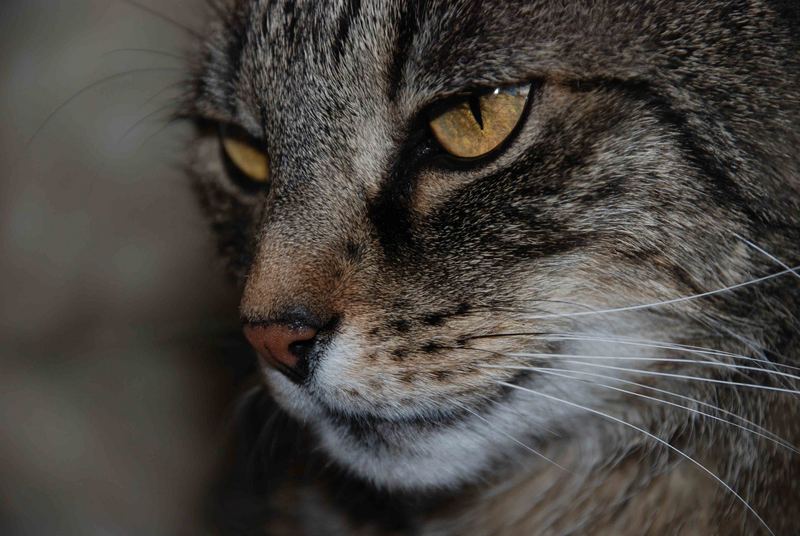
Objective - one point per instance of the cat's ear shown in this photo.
(478, 124)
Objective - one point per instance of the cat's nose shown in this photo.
(285, 346)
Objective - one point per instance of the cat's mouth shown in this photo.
(416, 418)
(414, 446)
(362, 423)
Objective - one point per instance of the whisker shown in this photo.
(168, 87)
(670, 301)
(645, 343)
(651, 436)
(759, 431)
(512, 438)
(90, 87)
(164, 17)
(759, 349)
(654, 360)
(170, 122)
(159, 110)
(773, 258)
(778, 439)
(699, 350)
(153, 51)
(766, 254)
(736, 416)
(692, 349)
(662, 374)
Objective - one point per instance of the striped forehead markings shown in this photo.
(349, 15)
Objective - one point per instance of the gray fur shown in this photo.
(660, 133)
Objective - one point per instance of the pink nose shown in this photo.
(284, 346)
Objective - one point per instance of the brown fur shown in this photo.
(657, 154)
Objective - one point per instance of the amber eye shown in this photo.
(245, 155)
(480, 123)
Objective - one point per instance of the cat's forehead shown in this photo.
(295, 54)
(284, 55)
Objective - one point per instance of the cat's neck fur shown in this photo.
(600, 496)
(629, 486)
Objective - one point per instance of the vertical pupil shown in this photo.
(475, 107)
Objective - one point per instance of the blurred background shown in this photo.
(115, 389)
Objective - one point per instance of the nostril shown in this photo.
(301, 349)
(284, 346)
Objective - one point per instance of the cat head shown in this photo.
(438, 300)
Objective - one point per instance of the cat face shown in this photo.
(456, 300)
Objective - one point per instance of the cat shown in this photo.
(509, 267)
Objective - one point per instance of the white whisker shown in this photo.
(667, 302)
(767, 433)
(564, 373)
(655, 360)
(662, 374)
(767, 254)
(512, 438)
(645, 343)
(650, 435)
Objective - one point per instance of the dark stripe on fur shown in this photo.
(346, 20)
(407, 28)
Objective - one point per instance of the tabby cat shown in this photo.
(510, 266)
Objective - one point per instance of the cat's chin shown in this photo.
(425, 452)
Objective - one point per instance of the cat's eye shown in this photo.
(478, 124)
(245, 155)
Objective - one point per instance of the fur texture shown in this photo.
(474, 336)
